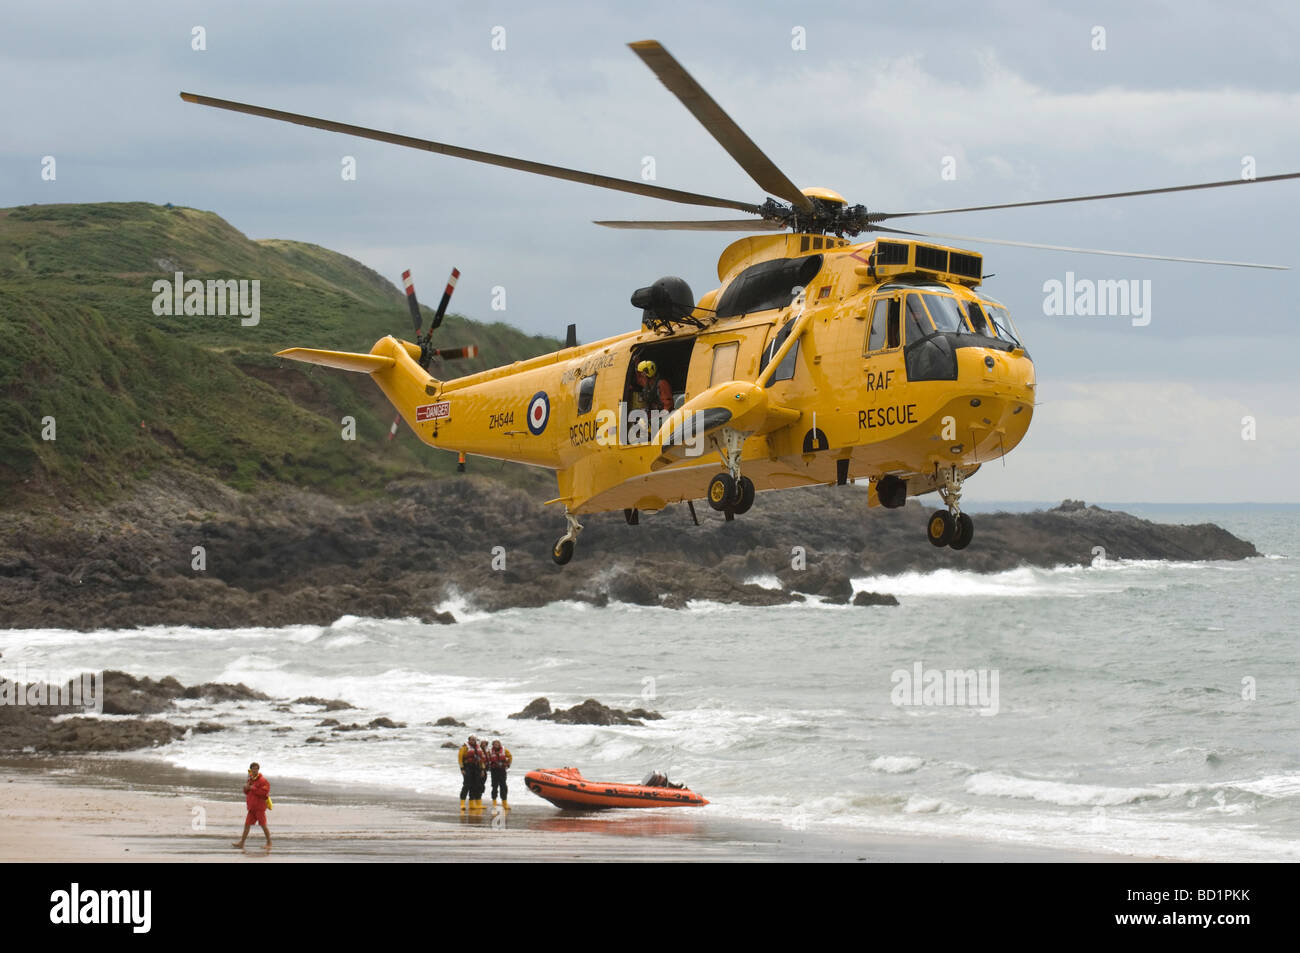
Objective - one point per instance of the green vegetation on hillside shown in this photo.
(130, 391)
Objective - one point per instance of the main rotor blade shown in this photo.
(721, 126)
(883, 216)
(474, 155)
(1082, 251)
(732, 225)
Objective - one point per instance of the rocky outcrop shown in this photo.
(329, 704)
(590, 712)
(874, 599)
(126, 695)
(290, 556)
(38, 726)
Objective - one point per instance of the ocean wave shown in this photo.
(897, 764)
(918, 804)
(1064, 794)
(1269, 786)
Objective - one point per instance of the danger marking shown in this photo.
(438, 411)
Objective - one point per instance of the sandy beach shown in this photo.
(121, 810)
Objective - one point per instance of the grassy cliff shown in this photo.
(130, 391)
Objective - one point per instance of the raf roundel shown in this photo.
(539, 411)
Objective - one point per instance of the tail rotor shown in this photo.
(428, 353)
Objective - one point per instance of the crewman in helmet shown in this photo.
(471, 758)
(655, 392)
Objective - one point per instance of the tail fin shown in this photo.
(343, 360)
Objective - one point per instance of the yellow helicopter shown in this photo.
(816, 360)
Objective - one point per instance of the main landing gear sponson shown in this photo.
(950, 527)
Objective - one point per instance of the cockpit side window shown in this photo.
(1001, 319)
(978, 321)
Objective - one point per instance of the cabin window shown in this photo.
(785, 371)
(586, 394)
(724, 363)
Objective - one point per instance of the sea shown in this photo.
(1143, 709)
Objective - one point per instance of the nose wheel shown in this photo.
(562, 551)
(950, 527)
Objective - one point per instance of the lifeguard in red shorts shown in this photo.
(257, 795)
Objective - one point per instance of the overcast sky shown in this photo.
(1015, 94)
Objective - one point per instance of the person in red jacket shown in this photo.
(257, 792)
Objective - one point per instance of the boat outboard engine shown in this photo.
(665, 304)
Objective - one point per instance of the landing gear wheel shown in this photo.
(562, 551)
(940, 528)
(963, 533)
(722, 491)
(744, 494)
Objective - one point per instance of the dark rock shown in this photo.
(221, 692)
(537, 708)
(328, 723)
(441, 618)
(827, 575)
(208, 727)
(450, 744)
(450, 722)
(874, 599)
(386, 723)
(590, 712)
(634, 589)
(329, 704)
(97, 734)
(126, 695)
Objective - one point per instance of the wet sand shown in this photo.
(119, 810)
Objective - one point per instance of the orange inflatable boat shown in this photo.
(567, 788)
